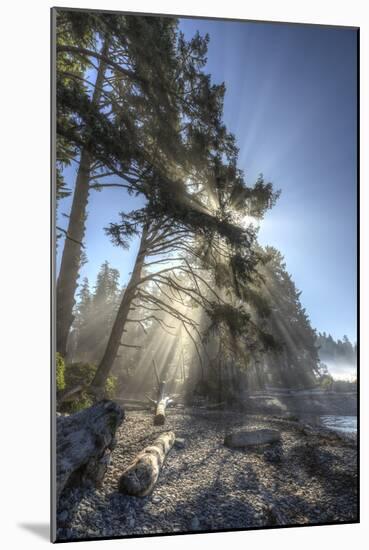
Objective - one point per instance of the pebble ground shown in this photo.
(205, 486)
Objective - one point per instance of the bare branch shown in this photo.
(90, 53)
(130, 346)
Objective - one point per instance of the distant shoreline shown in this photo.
(303, 404)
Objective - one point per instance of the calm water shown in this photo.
(345, 424)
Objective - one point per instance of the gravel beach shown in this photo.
(309, 477)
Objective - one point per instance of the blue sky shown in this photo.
(291, 103)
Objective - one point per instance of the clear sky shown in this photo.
(291, 103)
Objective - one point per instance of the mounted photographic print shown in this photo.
(204, 364)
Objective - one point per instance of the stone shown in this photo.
(273, 454)
(249, 438)
(179, 443)
(63, 516)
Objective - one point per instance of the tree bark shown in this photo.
(141, 476)
(220, 388)
(71, 258)
(113, 344)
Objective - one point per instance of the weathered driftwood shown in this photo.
(213, 406)
(124, 401)
(248, 438)
(132, 404)
(161, 405)
(162, 400)
(134, 407)
(141, 476)
(83, 444)
(159, 418)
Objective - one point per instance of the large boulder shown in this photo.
(84, 441)
(247, 438)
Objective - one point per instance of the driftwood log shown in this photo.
(161, 405)
(162, 400)
(141, 476)
(83, 444)
(248, 438)
(132, 404)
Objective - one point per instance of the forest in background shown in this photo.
(206, 307)
(339, 351)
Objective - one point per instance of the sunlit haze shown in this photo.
(291, 102)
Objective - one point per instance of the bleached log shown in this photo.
(161, 405)
(215, 405)
(159, 418)
(141, 476)
(127, 402)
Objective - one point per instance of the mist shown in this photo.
(342, 371)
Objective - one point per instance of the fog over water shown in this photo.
(342, 371)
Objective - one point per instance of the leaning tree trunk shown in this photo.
(83, 444)
(141, 476)
(114, 341)
(220, 386)
(71, 258)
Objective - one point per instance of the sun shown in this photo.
(247, 221)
